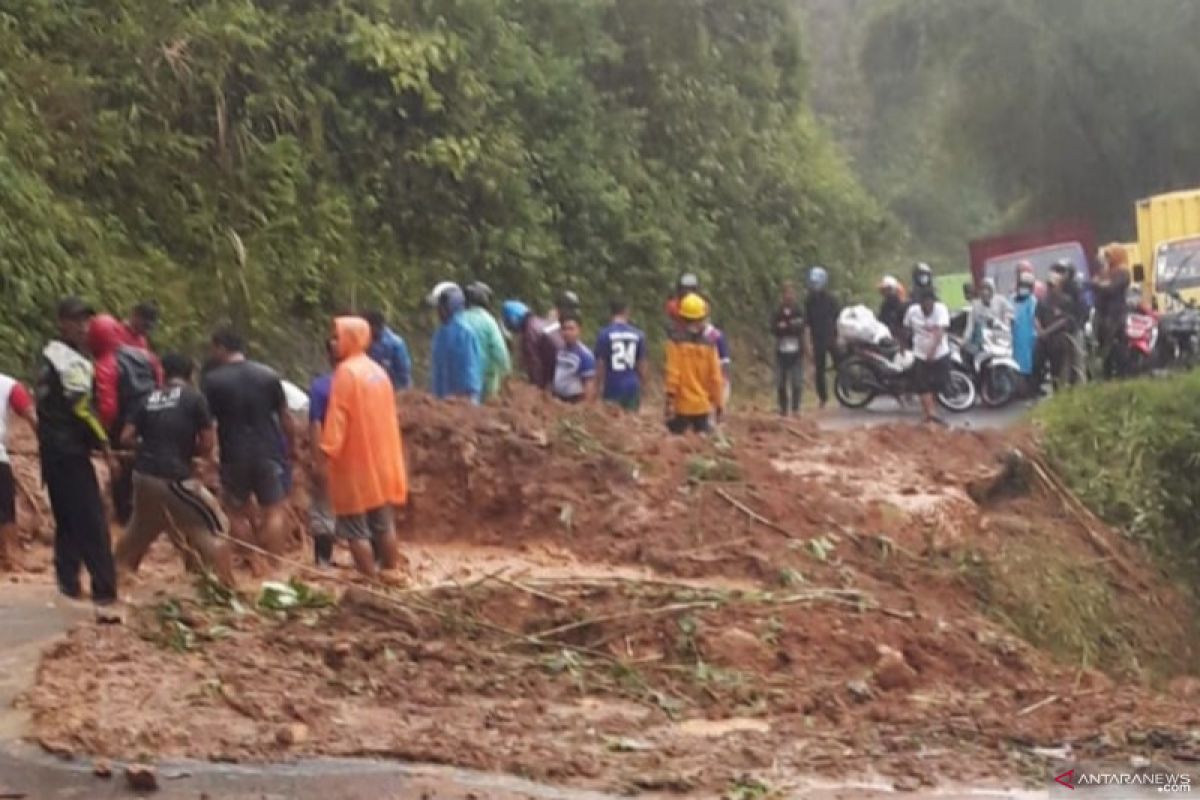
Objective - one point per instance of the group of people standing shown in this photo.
(101, 389)
(1047, 323)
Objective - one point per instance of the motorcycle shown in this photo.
(867, 371)
(993, 370)
(1141, 337)
(1179, 339)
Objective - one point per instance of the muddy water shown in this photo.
(32, 615)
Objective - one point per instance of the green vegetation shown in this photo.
(269, 161)
(1131, 451)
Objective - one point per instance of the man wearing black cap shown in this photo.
(69, 430)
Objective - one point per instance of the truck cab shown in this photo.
(1169, 248)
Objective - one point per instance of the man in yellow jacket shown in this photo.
(695, 385)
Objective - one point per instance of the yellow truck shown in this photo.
(1168, 227)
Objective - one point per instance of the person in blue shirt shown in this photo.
(575, 367)
(457, 359)
(621, 360)
(389, 351)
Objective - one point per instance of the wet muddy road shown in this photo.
(31, 616)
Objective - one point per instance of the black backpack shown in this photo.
(136, 379)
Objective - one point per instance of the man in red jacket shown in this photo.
(125, 376)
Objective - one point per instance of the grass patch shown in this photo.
(1131, 451)
(1048, 598)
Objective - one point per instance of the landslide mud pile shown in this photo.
(596, 604)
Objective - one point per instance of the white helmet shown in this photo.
(889, 283)
(432, 298)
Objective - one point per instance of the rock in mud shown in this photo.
(907, 783)
(292, 735)
(860, 691)
(737, 648)
(141, 778)
(337, 655)
(892, 671)
(101, 768)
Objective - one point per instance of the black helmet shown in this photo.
(922, 275)
(478, 294)
(567, 301)
(1063, 266)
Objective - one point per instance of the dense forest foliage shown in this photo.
(969, 117)
(268, 161)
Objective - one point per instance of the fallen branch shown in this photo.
(531, 590)
(1039, 704)
(1084, 516)
(640, 612)
(807, 437)
(752, 514)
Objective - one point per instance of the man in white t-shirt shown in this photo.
(928, 322)
(13, 398)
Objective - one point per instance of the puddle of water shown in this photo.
(713, 728)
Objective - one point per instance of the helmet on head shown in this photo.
(692, 308)
(1063, 266)
(988, 283)
(818, 278)
(450, 300)
(689, 282)
(1027, 279)
(889, 284)
(922, 275)
(432, 297)
(478, 293)
(567, 301)
(514, 313)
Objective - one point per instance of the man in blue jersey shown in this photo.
(621, 360)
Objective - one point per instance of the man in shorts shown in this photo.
(15, 398)
(364, 455)
(248, 402)
(170, 428)
(928, 322)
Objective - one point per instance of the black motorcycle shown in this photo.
(1179, 335)
(866, 372)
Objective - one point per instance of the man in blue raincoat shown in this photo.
(1024, 329)
(457, 368)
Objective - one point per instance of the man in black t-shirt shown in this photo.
(252, 415)
(170, 428)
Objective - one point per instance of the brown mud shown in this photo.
(597, 605)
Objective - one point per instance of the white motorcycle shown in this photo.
(993, 369)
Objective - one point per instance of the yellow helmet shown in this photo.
(693, 308)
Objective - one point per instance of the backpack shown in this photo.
(136, 379)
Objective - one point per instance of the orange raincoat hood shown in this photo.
(353, 336)
(361, 435)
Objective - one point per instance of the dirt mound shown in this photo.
(598, 604)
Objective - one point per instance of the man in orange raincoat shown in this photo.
(363, 451)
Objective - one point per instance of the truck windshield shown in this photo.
(1178, 265)
(1003, 269)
